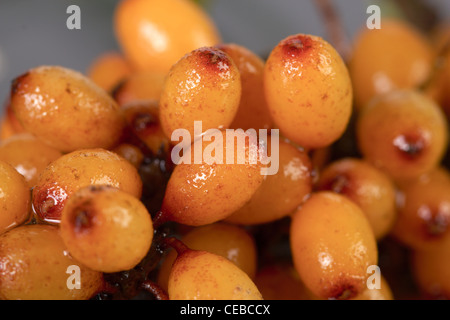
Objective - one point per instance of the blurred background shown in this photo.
(34, 32)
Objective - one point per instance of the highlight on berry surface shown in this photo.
(186, 166)
(308, 90)
(230, 146)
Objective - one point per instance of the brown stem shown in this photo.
(176, 244)
(155, 289)
(334, 27)
(160, 219)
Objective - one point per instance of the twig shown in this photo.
(154, 289)
(335, 28)
(160, 219)
(176, 244)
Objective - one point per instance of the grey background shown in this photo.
(33, 32)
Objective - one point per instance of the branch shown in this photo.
(335, 28)
(154, 289)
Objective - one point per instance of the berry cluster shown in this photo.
(89, 185)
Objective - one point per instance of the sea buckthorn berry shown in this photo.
(384, 292)
(253, 112)
(366, 185)
(281, 282)
(65, 109)
(34, 265)
(205, 86)
(109, 69)
(139, 86)
(280, 194)
(308, 91)
(28, 155)
(106, 229)
(226, 240)
(402, 132)
(6, 129)
(209, 190)
(332, 245)
(14, 199)
(424, 211)
(78, 169)
(131, 153)
(15, 124)
(431, 272)
(201, 275)
(142, 118)
(9, 124)
(155, 34)
(379, 63)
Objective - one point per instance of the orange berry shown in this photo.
(379, 63)
(332, 245)
(108, 70)
(253, 112)
(155, 34)
(204, 86)
(308, 91)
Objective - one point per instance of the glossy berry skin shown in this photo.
(65, 109)
(280, 281)
(109, 69)
(226, 240)
(131, 153)
(9, 124)
(35, 265)
(279, 195)
(200, 193)
(29, 155)
(205, 86)
(379, 63)
(402, 132)
(253, 112)
(424, 211)
(200, 275)
(332, 245)
(15, 198)
(79, 169)
(139, 86)
(106, 229)
(369, 187)
(308, 91)
(6, 129)
(383, 293)
(148, 32)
